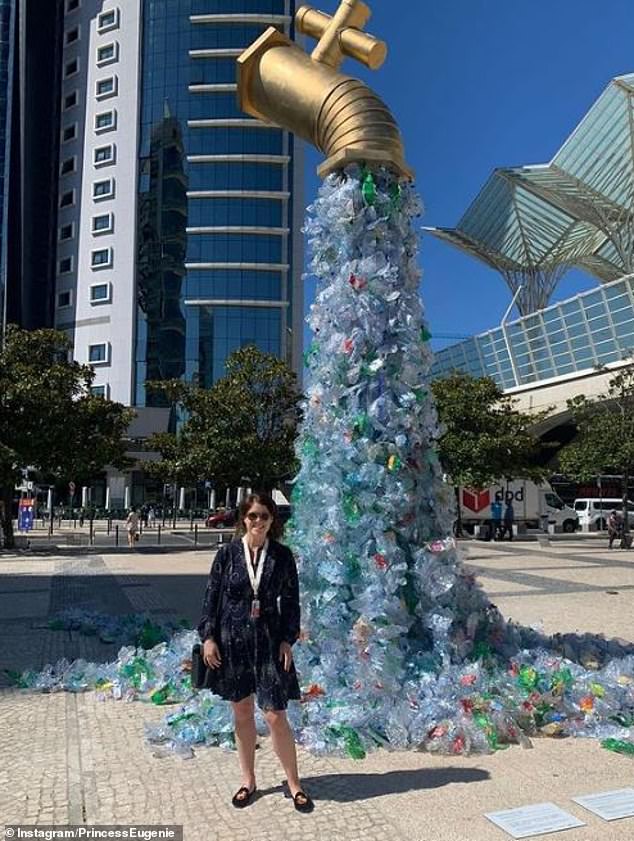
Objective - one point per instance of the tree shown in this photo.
(484, 437)
(49, 420)
(240, 431)
(605, 434)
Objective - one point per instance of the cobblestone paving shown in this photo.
(73, 759)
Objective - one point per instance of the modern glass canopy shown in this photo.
(533, 223)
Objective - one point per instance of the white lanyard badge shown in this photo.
(255, 576)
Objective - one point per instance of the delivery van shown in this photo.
(534, 506)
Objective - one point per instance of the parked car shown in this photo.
(593, 513)
(222, 519)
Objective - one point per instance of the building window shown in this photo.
(65, 265)
(68, 165)
(69, 133)
(105, 121)
(108, 54)
(67, 199)
(64, 299)
(103, 189)
(101, 258)
(98, 390)
(106, 87)
(108, 20)
(98, 353)
(71, 5)
(66, 232)
(71, 68)
(104, 155)
(70, 100)
(71, 36)
(100, 293)
(103, 224)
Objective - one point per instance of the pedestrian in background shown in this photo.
(151, 517)
(614, 528)
(496, 516)
(509, 517)
(132, 527)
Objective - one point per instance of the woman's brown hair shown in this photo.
(277, 528)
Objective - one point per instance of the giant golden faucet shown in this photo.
(281, 84)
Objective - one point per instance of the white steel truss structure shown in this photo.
(533, 223)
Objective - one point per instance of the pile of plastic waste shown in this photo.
(137, 629)
(400, 647)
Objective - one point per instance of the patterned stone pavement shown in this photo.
(71, 759)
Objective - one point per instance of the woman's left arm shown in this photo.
(289, 601)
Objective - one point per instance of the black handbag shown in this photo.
(201, 673)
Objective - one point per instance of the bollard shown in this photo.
(196, 535)
(159, 534)
(116, 535)
(108, 525)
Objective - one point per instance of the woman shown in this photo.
(132, 527)
(250, 622)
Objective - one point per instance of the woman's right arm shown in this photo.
(207, 627)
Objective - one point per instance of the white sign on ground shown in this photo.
(609, 805)
(538, 819)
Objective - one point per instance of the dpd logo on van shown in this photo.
(475, 500)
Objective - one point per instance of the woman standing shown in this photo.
(249, 624)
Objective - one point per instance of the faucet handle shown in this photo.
(341, 35)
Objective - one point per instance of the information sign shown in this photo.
(26, 510)
(538, 819)
(609, 805)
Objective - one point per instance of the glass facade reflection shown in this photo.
(594, 328)
(214, 258)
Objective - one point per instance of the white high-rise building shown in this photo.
(178, 217)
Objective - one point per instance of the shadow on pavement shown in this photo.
(348, 788)
(34, 626)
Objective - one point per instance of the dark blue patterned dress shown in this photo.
(249, 648)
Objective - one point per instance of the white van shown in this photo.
(593, 513)
(531, 503)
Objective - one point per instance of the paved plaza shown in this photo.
(71, 759)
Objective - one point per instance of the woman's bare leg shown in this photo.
(244, 722)
(284, 746)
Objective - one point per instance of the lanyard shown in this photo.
(255, 576)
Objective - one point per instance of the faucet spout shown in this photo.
(281, 85)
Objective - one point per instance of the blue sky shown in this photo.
(476, 84)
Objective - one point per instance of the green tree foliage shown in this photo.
(239, 432)
(604, 442)
(49, 421)
(484, 437)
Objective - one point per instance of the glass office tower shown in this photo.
(218, 246)
(6, 75)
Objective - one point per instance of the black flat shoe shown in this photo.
(303, 803)
(243, 797)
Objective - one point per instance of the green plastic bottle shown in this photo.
(368, 189)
